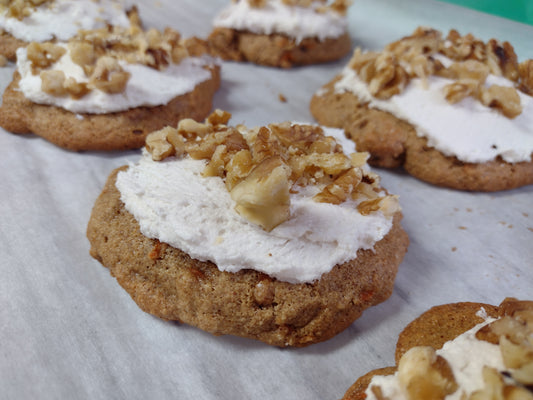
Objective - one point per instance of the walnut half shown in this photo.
(263, 196)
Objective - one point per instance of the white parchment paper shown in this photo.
(68, 331)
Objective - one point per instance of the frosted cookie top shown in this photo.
(42, 20)
(284, 200)
(104, 71)
(491, 361)
(298, 19)
(470, 99)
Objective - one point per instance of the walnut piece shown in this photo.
(108, 76)
(53, 83)
(502, 60)
(502, 98)
(424, 375)
(158, 145)
(43, 55)
(459, 90)
(263, 196)
(525, 71)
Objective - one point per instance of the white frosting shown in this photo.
(466, 356)
(276, 17)
(146, 86)
(175, 204)
(468, 130)
(63, 18)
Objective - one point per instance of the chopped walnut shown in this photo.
(263, 196)
(460, 48)
(83, 54)
(382, 72)
(219, 159)
(502, 98)
(158, 145)
(99, 53)
(459, 90)
(338, 191)
(502, 59)
(218, 118)
(108, 76)
(425, 375)
(43, 55)
(238, 168)
(53, 83)
(261, 166)
(76, 89)
(189, 126)
(422, 41)
(525, 72)
(389, 77)
(265, 145)
(469, 69)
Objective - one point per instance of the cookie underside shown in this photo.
(275, 50)
(434, 327)
(115, 131)
(393, 142)
(166, 282)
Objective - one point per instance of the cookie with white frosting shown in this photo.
(281, 33)
(454, 111)
(106, 89)
(271, 233)
(458, 351)
(26, 21)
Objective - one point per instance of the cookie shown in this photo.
(444, 126)
(156, 91)
(280, 34)
(437, 329)
(257, 299)
(116, 131)
(23, 22)
(9, 45)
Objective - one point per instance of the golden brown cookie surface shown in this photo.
(116, 131)
(275, 50)
(166, 282)
(9, 45)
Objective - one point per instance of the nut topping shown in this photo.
(387, 73)
(262, 166)
(20, 9)
(263, 196)
(102, 53)
(424, 375)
